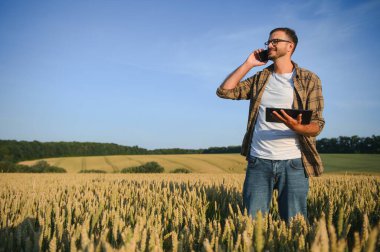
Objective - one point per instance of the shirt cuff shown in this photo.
(223, 93)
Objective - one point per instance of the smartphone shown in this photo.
(263, 56)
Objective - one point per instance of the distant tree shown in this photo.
(150, 167)
(355, 143)
(344, 144)
(92, 171)
(229, 149)
(181, 170)
(43, 167)
(6, 166)
(39, 167)
(15, 151)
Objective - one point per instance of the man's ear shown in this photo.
(290, 47)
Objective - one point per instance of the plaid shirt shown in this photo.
(307, 95)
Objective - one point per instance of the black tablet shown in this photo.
(270, 117)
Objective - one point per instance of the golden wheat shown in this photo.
(180, 212)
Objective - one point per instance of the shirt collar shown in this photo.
(270, 69)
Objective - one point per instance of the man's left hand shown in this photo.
(293, 124)
(311, 129)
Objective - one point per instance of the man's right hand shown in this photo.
(253, 59)
(234, 78)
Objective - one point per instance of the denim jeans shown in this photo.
(288, 176)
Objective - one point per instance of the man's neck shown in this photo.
(283, 65)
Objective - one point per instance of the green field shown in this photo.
(208, 163)
(351, 163)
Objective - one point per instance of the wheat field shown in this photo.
(197, 163)
(180, 212)
(207, 163)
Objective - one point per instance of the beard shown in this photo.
(273, 55)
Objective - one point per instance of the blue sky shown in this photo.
(145, 72)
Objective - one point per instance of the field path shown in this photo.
(135, 160)
(84, 163)
(114, 167)
(210, 168)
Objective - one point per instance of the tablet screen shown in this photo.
(270, 117)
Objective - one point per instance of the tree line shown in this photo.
(353, 144)
(15, 151)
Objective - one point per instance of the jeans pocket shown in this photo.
(251, 161)
(296, 164)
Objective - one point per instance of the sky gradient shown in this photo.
(145, 72)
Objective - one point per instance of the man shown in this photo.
(280, 155)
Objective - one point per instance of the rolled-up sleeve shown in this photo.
(241, 92)
(316, 103)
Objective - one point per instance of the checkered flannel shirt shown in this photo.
(307, 95)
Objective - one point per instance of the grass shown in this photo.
(351, 163)
(209, 163)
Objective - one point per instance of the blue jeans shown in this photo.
(288, 176)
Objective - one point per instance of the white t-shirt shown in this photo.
(270, 140)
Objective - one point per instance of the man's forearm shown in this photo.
(310, 129)
(235, 77)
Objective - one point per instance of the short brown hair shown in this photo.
(290, 33)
